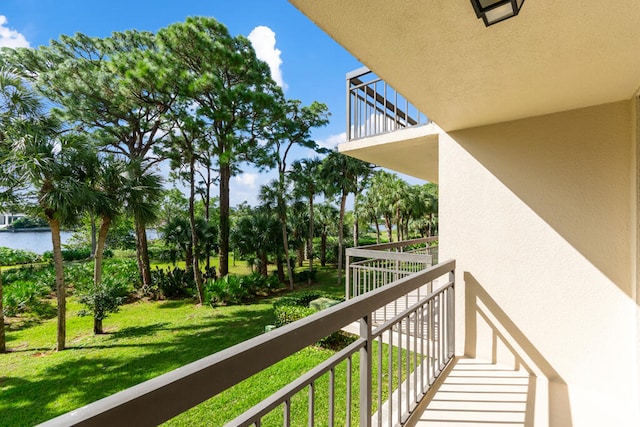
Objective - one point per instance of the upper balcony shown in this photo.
(384, 128)
(375, 108)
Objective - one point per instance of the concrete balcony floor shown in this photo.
(479, 393)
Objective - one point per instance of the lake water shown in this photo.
(34, 241)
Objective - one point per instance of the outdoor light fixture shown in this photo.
(494, 11)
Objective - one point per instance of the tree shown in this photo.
(291, 127)
(327, 220)
(232, 92)
(305, 175)
(116, 87)
(382, 193)
(17, 103)
(54, 169)
(109, 186)
(256, 233)
(341, 174)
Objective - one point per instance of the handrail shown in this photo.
(164, 397)
(374, 107)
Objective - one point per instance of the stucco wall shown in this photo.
(540, 215)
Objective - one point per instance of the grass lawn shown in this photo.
(143, 340)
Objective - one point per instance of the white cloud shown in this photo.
(263, 40)
(332, 141)
(246, 180)
(9, 37)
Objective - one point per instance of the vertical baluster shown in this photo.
(390, 375)
(429, 341)
(380, 369)
(332, 391)
(349, 380)
(407, 357)
(312, 403)
(365, 372)
(286, 422)
(399, 371)
(415, 355)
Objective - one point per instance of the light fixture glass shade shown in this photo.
(493, 11)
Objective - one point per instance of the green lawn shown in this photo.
(143, 340)
(146, 339)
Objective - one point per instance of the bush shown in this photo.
(104, 299)
(238, 289)
(290, 313)
(75, 254)
(23, 296)
(304, 276)
(301, 299)
(176, 283)
(10, 256)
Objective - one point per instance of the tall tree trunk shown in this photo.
(310, 241)
(286, 251)
(97, 266)
(323, 249)
(343, 202)
(207, 217)
(225, 176)
(430, 219)
(300, 255)
(262, 257)
(93, 234)
(377, 232)
(3, 341)
(197, 274)
(355, 231)
(387, 223)
(60, 287)
(142, 252)
(280, 266)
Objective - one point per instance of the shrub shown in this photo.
(304, 276)
(75, 254)
(106, 298)
(176, 283)
(23, 296)
(290, 313)
(10, 256)
(301, 299)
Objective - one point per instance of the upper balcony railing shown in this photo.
(374, 107)
(388, 368)
(373, 266)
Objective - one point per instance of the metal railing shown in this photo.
(374, 107)
(370, 267)
(390, 367)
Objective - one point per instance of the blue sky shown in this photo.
(312, 66)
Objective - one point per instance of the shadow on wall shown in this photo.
(573, 169)
(509, 341)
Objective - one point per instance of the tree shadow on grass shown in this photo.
(82, 374)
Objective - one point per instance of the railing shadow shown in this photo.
(480, 306)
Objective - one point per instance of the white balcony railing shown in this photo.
(374, 107)
(390, 366)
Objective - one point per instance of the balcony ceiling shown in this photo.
(554, 56)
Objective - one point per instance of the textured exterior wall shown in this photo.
(541, 216)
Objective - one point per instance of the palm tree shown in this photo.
(341, 175)
(305, 175)
(17, 103)
(257, 233)
(54, 168)
(326, 222)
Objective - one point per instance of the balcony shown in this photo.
(402, 308)
(384, 128)
(374, 107)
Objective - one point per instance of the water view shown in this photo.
(34, 241)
